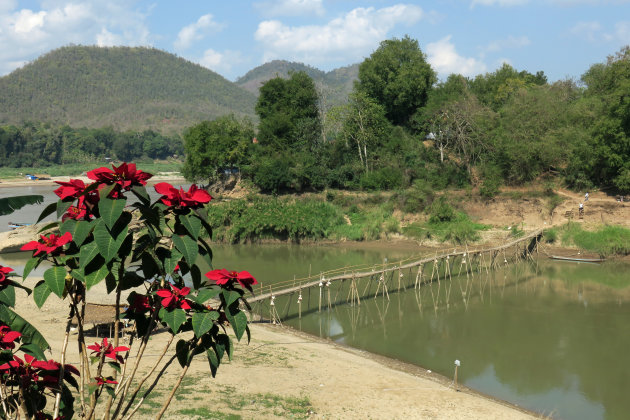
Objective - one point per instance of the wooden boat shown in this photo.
(13, 226)
(574, 259)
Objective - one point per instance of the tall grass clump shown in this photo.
(446, 225)
(606, 241)
(273, 218)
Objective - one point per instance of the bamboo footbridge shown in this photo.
(391, 276)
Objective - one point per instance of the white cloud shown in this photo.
(445, 60)
(220, 62)
(590, 31)
(507, 43)
(504, 3)
(595, 32)
(196, 31)
(291, 8)
(26, 33)
(347, 38)
(622, 32)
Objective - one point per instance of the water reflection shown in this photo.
(548, 337)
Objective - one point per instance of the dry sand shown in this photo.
(279, 365)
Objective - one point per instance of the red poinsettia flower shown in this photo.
(125, 175)
(75, 213)
(140, 304)
(103, 381)
(108, 350)
(50, 245)
(29, 370)
(174, 298)
(7, 338)
(224, 277)
(193, 198)
(4, 281)
(72, 189)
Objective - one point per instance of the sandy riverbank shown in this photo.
(281, 366)
(22, 182)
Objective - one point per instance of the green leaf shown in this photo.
(213, 360)
(10, 204)
(192, 225)
(87, 254)
(95, 277)
(206, 294)
(19, 324)
(181, 350)
(130, 280)
(239, 324)
(115, 366)
(230, 296)
(171, 261)
(195, 274)
(55, 278)
(34, 350)
(187, 247)
(7, 296)
(141, 192)
(149, 266)
(203, 321)
(41, 293)
(30, 265)
(62, 207)
(174, 319)
(225, 343)
(50, 209)
(107, 245)
(82, 231)
(110, 210)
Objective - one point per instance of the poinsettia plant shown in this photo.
(146, 253)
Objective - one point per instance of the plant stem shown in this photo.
(179, 381)
(148, 391)
(143, 345)
(110, 398)
(147, 376)
(62, 362)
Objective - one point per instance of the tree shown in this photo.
(460, 126)
(364, 124)
(289, 116)
(607, 95)
(398, 77)
(214, 145)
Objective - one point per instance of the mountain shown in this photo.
(335, 84)
(122, 87)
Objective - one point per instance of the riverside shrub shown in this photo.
(151, 247)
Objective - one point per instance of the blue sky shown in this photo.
(561, 37)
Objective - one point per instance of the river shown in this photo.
(547, 336)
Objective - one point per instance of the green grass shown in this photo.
(459, 230)
(606, 241)
(78, 169)
(202, 413)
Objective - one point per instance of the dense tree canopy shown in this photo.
(398, 77)
(42, 145)
(288, 112)
(215, 145)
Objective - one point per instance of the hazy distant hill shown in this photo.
(122, 87)
(335, 84)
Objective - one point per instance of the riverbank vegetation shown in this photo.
(606, 240)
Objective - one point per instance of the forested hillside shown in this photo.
(125, 88)
(333, 86)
